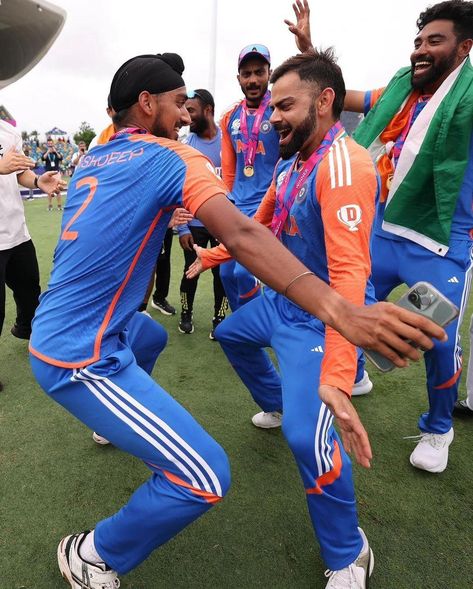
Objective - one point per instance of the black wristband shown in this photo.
(36, 178)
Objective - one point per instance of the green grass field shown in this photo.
(55, 480)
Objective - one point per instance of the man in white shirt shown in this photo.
(18, 264)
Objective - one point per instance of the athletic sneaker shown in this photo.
(462, 409)
(20, 333)
(100, 439)
(215, 323)
(163, 306)
(59, 208)
(1, 386)
(185, 324)
(356, 575)
(79, 573)
(363, 386)
(267, 420)
(50, 209)
(431, 453)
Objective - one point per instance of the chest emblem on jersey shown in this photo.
(280, 179)
(236, 127)
(265, 127)
(350, 215)
(301, 195)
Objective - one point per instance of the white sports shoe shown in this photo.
(431, 453)
(356, 575)
(363, 386)
(267, 420)
(79, 573)
(100, 439)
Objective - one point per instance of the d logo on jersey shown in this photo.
(350, 215)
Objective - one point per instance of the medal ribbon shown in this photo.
(283, 205)
(251, 142)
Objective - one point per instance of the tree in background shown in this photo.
(85, 133)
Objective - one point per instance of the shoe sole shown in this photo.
(437, 470)
(160, 309)
(63, 563)
(185, 332)
(266, 426)
(100, 440)
(370, 569)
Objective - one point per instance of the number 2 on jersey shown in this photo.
(92, 182)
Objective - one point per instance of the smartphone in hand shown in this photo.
(426, 300)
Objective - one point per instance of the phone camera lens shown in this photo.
(414, 298)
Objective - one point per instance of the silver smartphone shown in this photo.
(426, 300)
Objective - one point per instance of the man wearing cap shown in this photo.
(84, 338)
(206, 137)
(249, 154)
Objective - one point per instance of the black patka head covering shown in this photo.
(154, 73)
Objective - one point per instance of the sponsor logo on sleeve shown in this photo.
(350, 215)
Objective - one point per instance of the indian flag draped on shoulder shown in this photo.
(422, 191)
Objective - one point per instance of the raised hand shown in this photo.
(301, 29)
(196, 267)
(13, 161)
(51, 183)
(354, 436)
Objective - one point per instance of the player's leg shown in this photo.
(324, 466)
(163, 277)
(451, 275)
(188, 286)
(22, 276)
(220, 299)
(243, 337)
(147, 339)
(190, 471)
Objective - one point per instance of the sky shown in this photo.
(372, 39)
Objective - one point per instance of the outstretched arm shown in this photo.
(383, 327)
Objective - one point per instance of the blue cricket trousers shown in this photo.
(117, 397)
(395, 262)
(298, 338)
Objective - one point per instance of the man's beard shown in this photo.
(434, 73)
(199, 126)
(300, 135)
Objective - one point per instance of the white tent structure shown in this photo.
(28, 28)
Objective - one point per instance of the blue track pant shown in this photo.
(117, 397)
(395, 262)
(296, 337)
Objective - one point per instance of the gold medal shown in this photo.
(248, 171)
(389, 181)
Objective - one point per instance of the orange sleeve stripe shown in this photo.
(265, 212)
(215, 256)
(228, 153)
(252, 292)
(331, 476)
